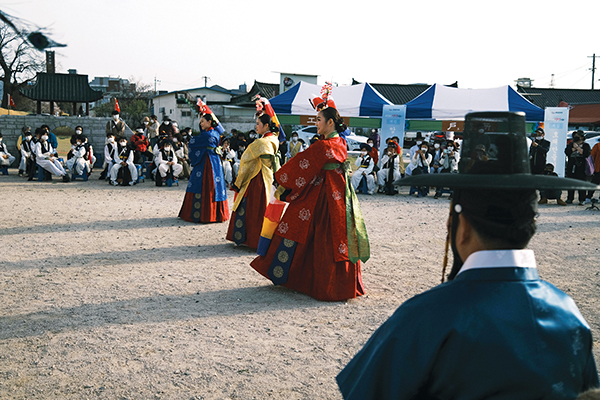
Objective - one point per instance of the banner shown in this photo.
(393, 120)
(556, 125)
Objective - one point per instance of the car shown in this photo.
(353, 140)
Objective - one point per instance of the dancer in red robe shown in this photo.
(321, 238)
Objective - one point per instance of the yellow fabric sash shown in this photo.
(253, 162)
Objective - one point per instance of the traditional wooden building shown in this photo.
(67, 88)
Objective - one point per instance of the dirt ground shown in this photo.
(105, 293)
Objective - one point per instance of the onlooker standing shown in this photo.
(537, 152)
(577, 151)
(166, 129)
(152, 130)
(116, 126)
(596, 177)
(27, 156)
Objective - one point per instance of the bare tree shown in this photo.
(19, 60)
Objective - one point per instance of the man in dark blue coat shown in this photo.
(494, 330)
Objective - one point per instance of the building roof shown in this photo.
(400, 94)
(61, 87)
(268, 90)
(584, 114)
(551, 97)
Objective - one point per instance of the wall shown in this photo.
(93, 127)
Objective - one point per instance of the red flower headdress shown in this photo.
(325, 100)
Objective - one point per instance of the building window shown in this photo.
(186, 113)
(161, 110)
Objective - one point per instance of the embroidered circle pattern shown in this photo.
(343, 249)
(283, 256)
(217, 179)
(197, 214)
(283, 228)
(304, 214)
(198, 195)
(283, 178)
(300, 182)
(336, 195)
(329, 153)
(278, 272)
(237, 235)
(288, 242)
(294, 196)
(197, 153)
(304, 164)
(199, 174)
(240, 211)
(239, 223)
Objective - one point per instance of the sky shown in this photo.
(480, 44)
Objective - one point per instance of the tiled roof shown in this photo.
(61, 87)
(551, 97)
(584, 114)
(400, 94)
(268, 90)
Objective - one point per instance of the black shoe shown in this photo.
(66, 178)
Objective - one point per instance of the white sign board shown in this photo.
(393, 121)
(556, 124)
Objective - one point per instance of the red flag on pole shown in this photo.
(11, 103)
(117, 108)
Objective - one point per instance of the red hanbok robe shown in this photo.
(315, 220)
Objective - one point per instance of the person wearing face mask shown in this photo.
(365, 165)
(295, 146)
(438, 149)
(51, 138)
(374, 153)
(166, 128)
(227, 157)
(45, 156)
(123, 172)
(537, 152)
(28, 155)
(577, 151)
(152, 130)
(116, 125)
(166, 160)
(180, 145)
(421, 162)
(139, 144)
(23, 163)
(495, 330)
(448, 161)
(390, 169)
(110, 155)
(412, 151)
(6, 159)
(78, 163)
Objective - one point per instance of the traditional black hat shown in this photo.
(366, 147)
(419, 136)
(494, 156)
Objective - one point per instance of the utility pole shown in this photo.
(593, 57)
(155, 82)
(206, 78)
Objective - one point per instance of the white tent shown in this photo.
(350, 101)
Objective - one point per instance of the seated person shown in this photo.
(227, 159)
(390, 168)
(110, 155)
(79, 163)
(140, 146)
(167, 163)
(45, 156)
(22, 164)
(551, 194)
(6, 158)
(421, 162)
(238, 156)
(180, 145)
(28, 155)
(365, 165)
(123, 172)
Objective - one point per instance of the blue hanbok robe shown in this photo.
(491, 333)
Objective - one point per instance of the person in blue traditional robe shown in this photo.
(495, 330)
(206, 194)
